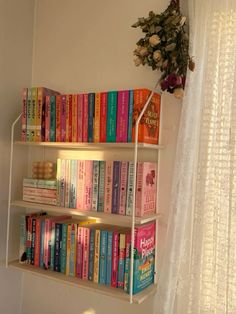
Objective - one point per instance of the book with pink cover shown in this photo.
(103, 117)
(75, 118)
(88, 185)
(123, 186)
(80, 185)
(108, 186)
(146, 189)
(80, 117)
(122, 116)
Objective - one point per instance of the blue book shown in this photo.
(52, 132)
(101, 185)
(42, 232)
(91, 254)
(63, 248)
(109, 257)
(91, 107)
(58, 239)
(111, 116)
(73, 184)
(103, 257)
(116, 187)
(130, 114)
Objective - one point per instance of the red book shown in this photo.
(68, 118)
(80, 117)
(75, 118)
(103, 117)
(85, 119)
(115, 259)
(37, 242)
(63, 118)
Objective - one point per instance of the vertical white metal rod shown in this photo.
(134, 191)
(9, 187)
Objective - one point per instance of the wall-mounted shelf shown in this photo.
(84, 284)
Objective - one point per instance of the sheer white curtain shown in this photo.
(198, 274)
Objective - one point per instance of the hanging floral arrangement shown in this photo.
(165, 47)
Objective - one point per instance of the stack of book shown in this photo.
(89, 117)
(88, 251)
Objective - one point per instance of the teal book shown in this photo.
(22, 251)
(42, 232)
(91, 254)
(103, 257)
(72, 262)
(101, 188)
(91, 110)
(111, 116)
(130, 114)
(63, 248)
(109, 258)
(52, 118)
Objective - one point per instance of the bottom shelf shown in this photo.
(84, 284)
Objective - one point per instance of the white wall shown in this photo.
(16, 25)
(87, 46)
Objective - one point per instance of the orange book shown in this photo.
(149, 124)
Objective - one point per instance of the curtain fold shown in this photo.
(198, 274)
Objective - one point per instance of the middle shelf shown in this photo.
(119, 220)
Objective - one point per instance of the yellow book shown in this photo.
(96, 256)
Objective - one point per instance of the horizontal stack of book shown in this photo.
(88, 251)
(106, 186)
(89, 117)
(40, 191)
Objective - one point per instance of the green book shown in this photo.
(111, 116)
(63, 248)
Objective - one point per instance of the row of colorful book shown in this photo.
(88, 251)
(89, 117)
(107, 186)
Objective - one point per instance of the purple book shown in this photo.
(122, 116)
(115, 187)
(63, 118)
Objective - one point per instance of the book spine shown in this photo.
(68, 118)
(127, 261)
(29, 239)
(46, 243)
(42, 235)
(80, 117)
(103, 117)
(40, 199)
(37, 243)
(39, 192)
(95, 185)
(130, 187)
(58, 239)
(58, 118)
(109, 258)
(139, 189)
(79, 252)
(33, 240)
(108, 187)
(75, 118)
(103, 257)
(29, 114)
(52, 245)
(67, 182)
(73, 183)
(91, 254)
(85, 119)
(97, 118)
(23, 238)
(80, 185)
(63, 249)
(122, 116)
(111, 116)
(130, 117)
(96, 256)
(86, 239)
(39, 115)
(68, 248)
(88, 185)
(123, 186)
(91, 106)
(101, 186)
(72, 270)
(24, 115)
(47, 120)
(47, 184)
(52, 118)
(34, 96)
(62, 182)
(121, 263)
(63, 118)
(115, 246)
(116, 187)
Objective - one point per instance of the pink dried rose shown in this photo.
(154, 40)
(164, 85)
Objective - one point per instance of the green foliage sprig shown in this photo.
(165, 47)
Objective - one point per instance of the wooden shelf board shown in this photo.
(119, 220)
(102, 146)
(84, 284)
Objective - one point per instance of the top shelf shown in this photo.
(92, 146)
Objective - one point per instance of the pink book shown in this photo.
(24, 114)
(108, 186)
(85, 267)
(47, 119)
(88, 185)
(103, 117)
(79, 252)
(115, 259)
(85, 119)
(123, 187)
(39, 192)
(75, 118)
(68, 118)
(122, 116)
(146, 188)
(80, 117)
(80, 184)
(63, 118)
